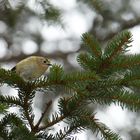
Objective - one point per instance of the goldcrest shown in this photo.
(32, 67)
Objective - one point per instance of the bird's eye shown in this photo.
(44, 61)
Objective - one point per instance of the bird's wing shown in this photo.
(14, 68)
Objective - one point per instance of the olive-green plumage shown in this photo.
(32, 67)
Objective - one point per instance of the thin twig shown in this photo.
(52, 123)
(43, 113)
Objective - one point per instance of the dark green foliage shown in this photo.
(45, 136)
(126, 62)
(93, 45)
(10, 100)
(109, 76)
(118, 45)
(105, 132)
(51, 13)
(17, 129)
(98, 5)
(3, 108)
(11, 79)
(12, 15)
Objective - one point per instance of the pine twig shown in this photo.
(43, 113)
(52, 123)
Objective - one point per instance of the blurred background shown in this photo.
(53, 28)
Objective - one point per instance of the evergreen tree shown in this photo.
(108, 76)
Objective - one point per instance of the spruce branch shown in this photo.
(121, 97)
(99, 5)
(80, 76)
(107, 92)
(114, 49)
(3, 108)
(51, 123)
(131, 76)
(88, 62)
(90, 42)
(22, 133)
(134, 84)
(27, 111)
(117, 45)
(67, 132)
(10, 100)
(65, 115)
(12, 79)
(108, 61)
(51, 13)
(88, 121)
(4, 133)
(126, 62)
(45, 136)
(9, 120)
(58, 77)
(97, 127)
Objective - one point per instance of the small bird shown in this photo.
(32, 67)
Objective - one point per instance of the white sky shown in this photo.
(136, 40)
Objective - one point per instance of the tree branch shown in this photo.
(26, 113)
(52, 123)
(43, 114)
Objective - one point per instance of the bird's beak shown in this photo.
(49, 64)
